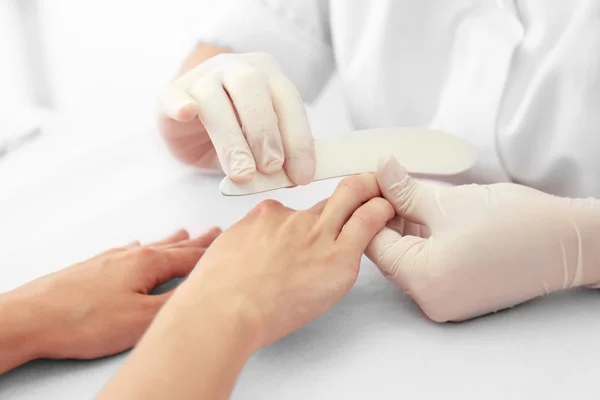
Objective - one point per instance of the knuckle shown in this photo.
(264, 59)
(365, 217)
(331, 257)
(242, 73)
(283, 88)
(146, 255)
(146, 252)
(268, 206)
(314, 233)
(263, 131)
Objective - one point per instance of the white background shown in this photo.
(96, 180)
(106, 60)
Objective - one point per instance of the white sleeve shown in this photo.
(295, 32)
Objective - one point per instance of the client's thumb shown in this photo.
(410, 199)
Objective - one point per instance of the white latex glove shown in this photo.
(252, 113)
(465, 251)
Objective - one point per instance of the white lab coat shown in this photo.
(519, 79)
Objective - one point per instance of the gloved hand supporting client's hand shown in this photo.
(465, 251)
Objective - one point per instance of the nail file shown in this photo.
(421, 151)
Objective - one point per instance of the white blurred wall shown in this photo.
(109, 58)
(14, 91)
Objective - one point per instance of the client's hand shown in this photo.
(97, 307)
(268, 275)
(464, 251)
(287, 267)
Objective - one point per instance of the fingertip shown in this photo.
(187, 112)
(242, 167)
(178, 105)
(174, 238)
(382, 162)
(272, 166)
(242, 176)
(213, 233)
(182, 232)
(300, 173)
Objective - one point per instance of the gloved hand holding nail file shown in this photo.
(421, 151)
(241, 112)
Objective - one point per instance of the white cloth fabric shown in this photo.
(520, 79)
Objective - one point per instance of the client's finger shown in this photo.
(178, 236)
(364, 224)
(319, 207)
(202, 241)
(350, 194)
(172, 263)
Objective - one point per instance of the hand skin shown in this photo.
(95, 308)
(265, 277)
(189, 141)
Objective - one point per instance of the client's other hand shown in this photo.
(102, 306)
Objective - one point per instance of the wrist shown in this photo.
(200, 338)
(229, 308)
(20, 334)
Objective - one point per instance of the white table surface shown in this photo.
(109, 187)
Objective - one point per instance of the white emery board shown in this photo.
(421, 151)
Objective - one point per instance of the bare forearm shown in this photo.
(18, 332)
(195, 349)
